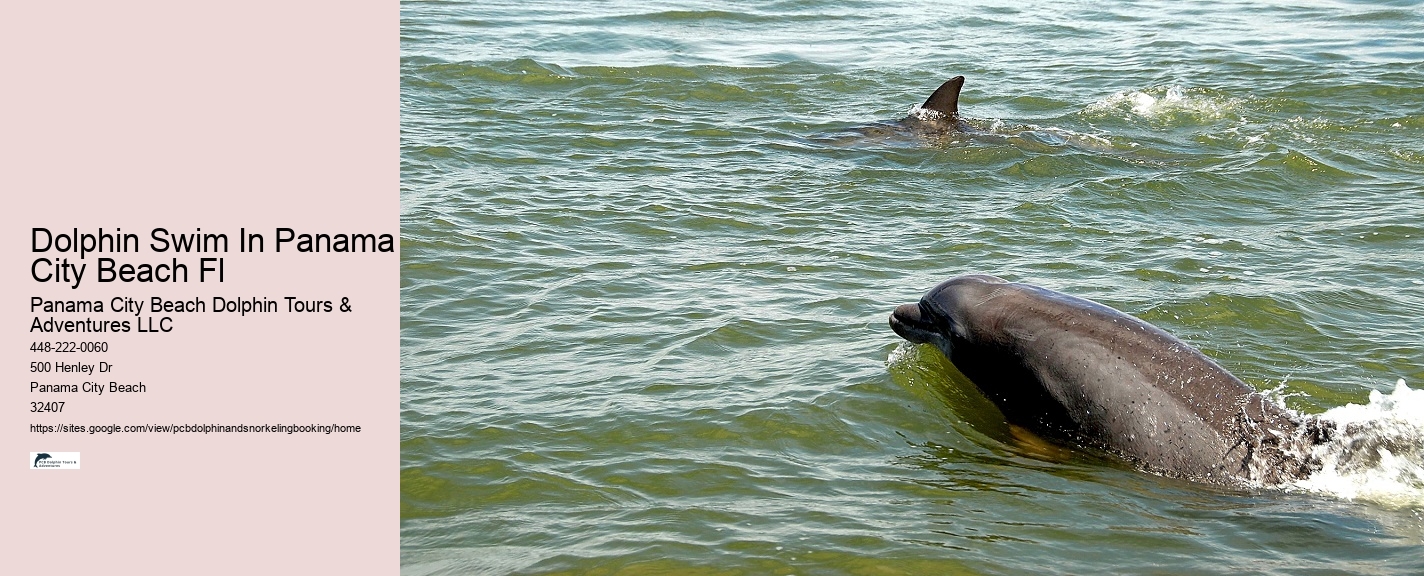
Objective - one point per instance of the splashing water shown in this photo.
(1166, 103)
(1378, 451)
(1145, 105)
(925, 114)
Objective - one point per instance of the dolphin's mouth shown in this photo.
(909, 321)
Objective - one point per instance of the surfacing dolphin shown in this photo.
(936, 118)
(938, 122)
(1080, 372)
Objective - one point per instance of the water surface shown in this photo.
(649, 251)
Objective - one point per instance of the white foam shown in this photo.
(1142, 103)
(1377, 453)
(1170, 100)
(926, 114)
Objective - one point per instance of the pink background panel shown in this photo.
(218, 116)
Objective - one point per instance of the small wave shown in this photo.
(1377, 453)
(1049, 138)
(1166, 103)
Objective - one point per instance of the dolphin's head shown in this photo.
(942, 316)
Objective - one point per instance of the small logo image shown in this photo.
(54, 460)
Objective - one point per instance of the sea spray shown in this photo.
(1171, 103)
(1377, 453)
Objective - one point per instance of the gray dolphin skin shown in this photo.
(1080, 372)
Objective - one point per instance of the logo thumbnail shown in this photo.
(54, 460)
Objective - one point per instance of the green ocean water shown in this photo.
(649, 251)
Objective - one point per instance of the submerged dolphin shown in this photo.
(1078, 371)
(937, 117)
(937, 122)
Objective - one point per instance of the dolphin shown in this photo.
(38, 457)
(938, 122)
(1082, 373)
(936, 118)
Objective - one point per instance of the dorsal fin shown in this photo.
(945, 100)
